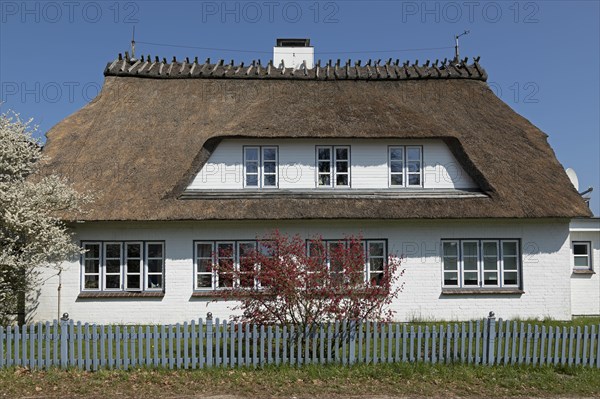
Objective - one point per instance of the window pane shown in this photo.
(113, 281)
(490, 249)
(396, 167)
(414, 180)
(341, 153)
(113, 266)
(113, 250)
(509, 248)
(251, 180)
(92, 266)
(581, 261)
(580, 249)
(270, 181)
(155, 250)
(134, 250)
(471, 278)
(490, 278)
(376, 249)
(92, 282)
(225, 280)
(324, 167)
(269, 154)
(204, 250)
(490, 263)
(413, 154)
(341, 180)
(225, 250)
(269, 167)
(470, 263)
(324, 180)
(376, 264)
(93, 250)
(510, 278)
(251, 167)
(396, 154)
(414, 167)
(155, 265)
(133, 266)
(450, 263)
(341, 167)
(155, 281)
(204, 281)
(510, 263)
(324, 153)
(450, 278)
(470, 249)
(251, 154)
(450, 249)
(133, 282)
(204, 266)
(375, 278)
(396, 180)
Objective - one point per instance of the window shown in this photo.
(260, 167)
(480, 263)
(333, 166)
(582, 258)
(122, 266)
(405, 166)
(374, 254)
(235, 266)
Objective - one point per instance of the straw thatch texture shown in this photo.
(141, 141)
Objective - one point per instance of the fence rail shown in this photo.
(212, 343)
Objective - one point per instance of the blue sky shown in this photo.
(542, 57)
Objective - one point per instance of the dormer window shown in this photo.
(405, 166)
(260, 167)
(333, 166)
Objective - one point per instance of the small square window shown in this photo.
(582, 258)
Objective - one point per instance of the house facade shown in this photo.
(187, 159)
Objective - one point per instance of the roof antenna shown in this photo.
(456, 53)
(133, 44)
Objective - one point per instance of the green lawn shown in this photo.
(309, 382)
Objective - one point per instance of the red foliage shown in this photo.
(289, 280)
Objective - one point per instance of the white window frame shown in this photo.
(477, 261)
(105, 273)
(333, 173)
(140, 260)
(217, 284)
(500, 261)
(260, 169)
(238, 262)
(406, 173)
(147, 272)
(197, 258)
(587, 256)
(85, 257)
(457, 272)
(369, 257)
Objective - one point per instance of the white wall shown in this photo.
(546, 269)
(585, 288)
(369, 164)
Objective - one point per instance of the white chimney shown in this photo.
(293, 53)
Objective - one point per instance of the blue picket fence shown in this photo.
(214, 343)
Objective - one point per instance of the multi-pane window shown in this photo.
(260, 167)
(333, 166)
(374, 252)
(229, 264)
(123, 266)
(582, 255)
(405, 166)
(481, 263)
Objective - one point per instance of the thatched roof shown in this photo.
(154, 124)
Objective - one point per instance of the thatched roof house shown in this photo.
(154, 124)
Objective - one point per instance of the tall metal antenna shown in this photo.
(456, 52)
(133, 43)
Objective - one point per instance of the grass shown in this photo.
(420, 379)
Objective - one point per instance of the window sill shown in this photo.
(147, 294)
(583, 271)
(227, 295)
(482, 291)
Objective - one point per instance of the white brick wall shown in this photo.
(546, 269)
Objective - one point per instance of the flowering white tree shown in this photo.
(31, 234)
